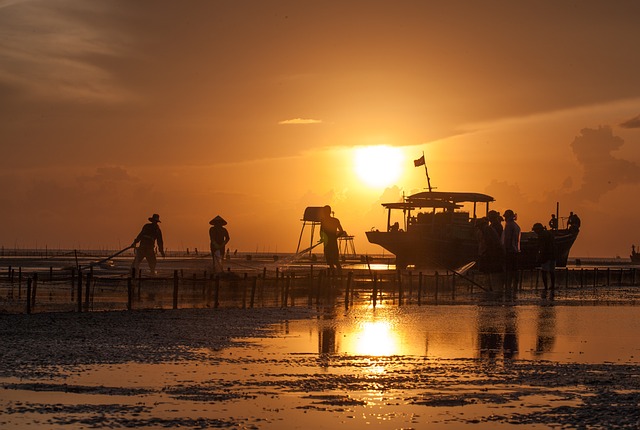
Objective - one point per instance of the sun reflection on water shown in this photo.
(376, 338)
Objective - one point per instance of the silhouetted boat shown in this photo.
(439, 232)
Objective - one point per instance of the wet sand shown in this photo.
(304, 368)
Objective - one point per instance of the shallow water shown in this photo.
(565, 334)
(389, 367)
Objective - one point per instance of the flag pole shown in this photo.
(426, 172)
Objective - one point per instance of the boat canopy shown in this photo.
(439, 199)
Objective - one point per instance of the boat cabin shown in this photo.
(435, 209)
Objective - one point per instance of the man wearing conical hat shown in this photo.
(149, 235)
(219, 237)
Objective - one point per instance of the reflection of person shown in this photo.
(546, 330)
(497, 331)
(330, 229)
(148, 236)
(219, 237)
(511, 244)
(546, 256)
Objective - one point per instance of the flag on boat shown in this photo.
(419, 162)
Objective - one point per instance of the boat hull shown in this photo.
(459, 247)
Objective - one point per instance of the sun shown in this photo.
(378, 166)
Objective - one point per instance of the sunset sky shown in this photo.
(111, 111)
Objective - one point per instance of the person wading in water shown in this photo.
(149, 235)
(219, 237)
(330, 229)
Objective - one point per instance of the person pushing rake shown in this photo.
(148, 236)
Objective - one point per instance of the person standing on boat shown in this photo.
(553, 222)
(330, 229)
(149, 235)
(511, 245)
(546, 257)
(573, 223)
(219, 237)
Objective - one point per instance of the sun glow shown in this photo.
(378, 166)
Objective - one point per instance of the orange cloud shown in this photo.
(300, 121)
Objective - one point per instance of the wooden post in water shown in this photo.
(79, 290)
(436, 275)
(34, 288)
(310, 288)
(204, 286)
(453, 286)
(254, 284)
(87, 290)
(129, 294)
(419, 288)
(409, 300)
(73, 283)
(375, 289)
(19, 282)
(28, 296)
(176, 283)
(566, 278)
(209, 282)
(400, 289)
(608, 276)
(285, 296)
(216, 303)
(244, 290)
(292, 287)
(319, 288)
(595, 277)
(347, 289)
(50, 273)
(620, 278)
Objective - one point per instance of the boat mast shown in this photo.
(426, 172)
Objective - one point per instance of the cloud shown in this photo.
(109, 174)
(602, 171)
(53, 51)
(300, 121)
(631, 123)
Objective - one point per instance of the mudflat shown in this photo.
(301, 368)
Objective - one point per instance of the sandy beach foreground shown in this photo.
(240, 368)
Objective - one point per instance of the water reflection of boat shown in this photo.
(439, 231)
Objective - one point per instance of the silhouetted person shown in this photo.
(546, 257)
(219, 237)
(495, 220)
(489, 247)
(330, 229)
(511, 245)
(149, 235)
(553, 222)
(573, 223)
